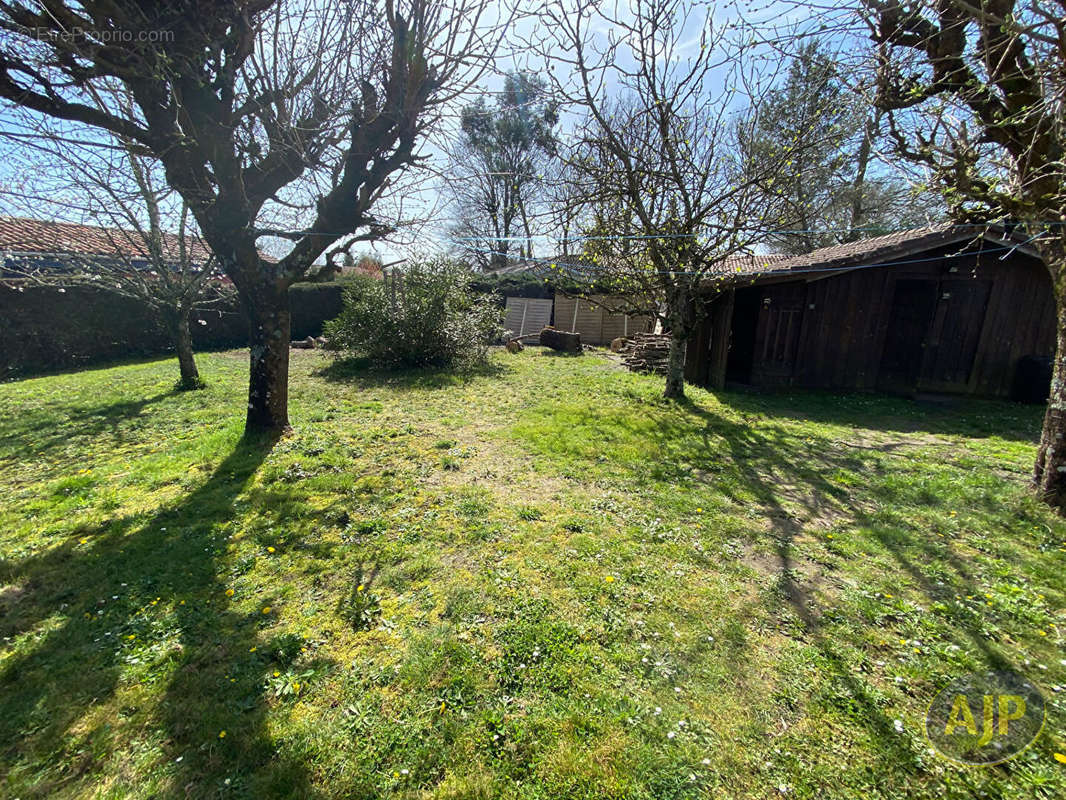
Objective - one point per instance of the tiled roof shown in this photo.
(748, 264)
(21, 235)
(876, 250)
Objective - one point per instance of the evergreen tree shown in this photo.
(832, 190)
(496, 175)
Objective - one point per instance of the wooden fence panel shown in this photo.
(527, 315)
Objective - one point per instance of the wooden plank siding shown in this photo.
(706, 354)
(830, 330)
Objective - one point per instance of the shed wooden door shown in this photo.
(955, 334)
(914, 303)
(777, 334)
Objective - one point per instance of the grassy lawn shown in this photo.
(540, 582)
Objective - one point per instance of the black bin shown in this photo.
(1032, 380)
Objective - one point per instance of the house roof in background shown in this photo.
(21, 235)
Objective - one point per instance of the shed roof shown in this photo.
(884, 250)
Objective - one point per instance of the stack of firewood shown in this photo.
(647, 352)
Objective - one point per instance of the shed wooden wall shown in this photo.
(830, 331)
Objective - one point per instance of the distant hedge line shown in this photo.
(530, 284)
(44, 329)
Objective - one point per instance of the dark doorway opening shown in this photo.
(913, 305)
(742, 335)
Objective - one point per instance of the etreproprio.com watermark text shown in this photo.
(75, 35)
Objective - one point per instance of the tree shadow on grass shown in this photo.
(100, 622)
(954, 415)
(38, 432)
(775, 467)
(906, 544)
(768, 461)
(362, 374)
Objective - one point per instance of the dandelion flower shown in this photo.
(229, 593)
(266, 609)
(221, 734)
(359, 588)
(1060, 757)
(609, 578)
(270, 549)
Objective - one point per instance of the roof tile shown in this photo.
(24, 235)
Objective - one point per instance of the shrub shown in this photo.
(425, 316)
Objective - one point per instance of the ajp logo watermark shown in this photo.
(985, 718)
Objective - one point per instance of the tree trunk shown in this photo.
(675, 368)
(190, 375)
(1049, 474)
(858, 185)
(682, 315)
(564, 341)
(268, 381)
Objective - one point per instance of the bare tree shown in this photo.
(656, 164)
(254, 109)
(976, 93)
(172, 272)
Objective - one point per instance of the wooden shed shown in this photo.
(942, 309)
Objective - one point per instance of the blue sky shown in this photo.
(21, 173)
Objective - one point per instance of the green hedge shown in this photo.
(44, 329)
(529, 284)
